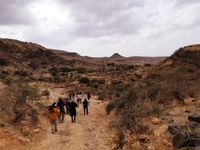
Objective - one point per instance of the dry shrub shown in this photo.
(17, 96)
(132, 108)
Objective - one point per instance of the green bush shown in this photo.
(33, 65)
(21, 73)
(153, 92)
(45, 93)
(84, 80)
(101, 96)
(81, 70)
(110, 107)
(53, 71)
(3, 62)
(66, 69)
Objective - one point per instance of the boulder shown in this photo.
(192, 142)
(194, 117)
(174, 128)
(179, 139)
(195, 129)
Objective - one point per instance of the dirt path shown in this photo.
(88, 133)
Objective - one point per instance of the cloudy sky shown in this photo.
(103, 27)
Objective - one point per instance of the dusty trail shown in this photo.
(88, 133)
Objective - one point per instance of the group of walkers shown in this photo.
(62, 107)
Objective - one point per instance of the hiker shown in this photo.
(73, 95)
(67, 104)
(85, 106)
(61, 106)
(72, 110)
(88, 96)
(79, 99)
(53, 117)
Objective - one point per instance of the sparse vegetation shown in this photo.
(18, 95)
(84, 80)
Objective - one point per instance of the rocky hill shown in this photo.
(165, 97)
(181, 70)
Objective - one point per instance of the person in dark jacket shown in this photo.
(67, 104)
(85, 106)
(72, 110)
(88, 96)
(61, 106)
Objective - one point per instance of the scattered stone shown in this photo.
(155, 121)
(25, 130)
(24, 141)
(144, 138)
(160, 130)
(136, 145)
(194, 117)
(36, 130)
(114, 146)
(25, 123)
(165, 142)
(194, 100)
(151, 147)
(170, 120)
(187, 111)
(2, 124)
(6, 130)
(174, 128)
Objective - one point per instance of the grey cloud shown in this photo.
(186, 2)
(14, 12)
(93, 27)
(102, 17)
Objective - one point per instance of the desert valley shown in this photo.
(137, 103)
